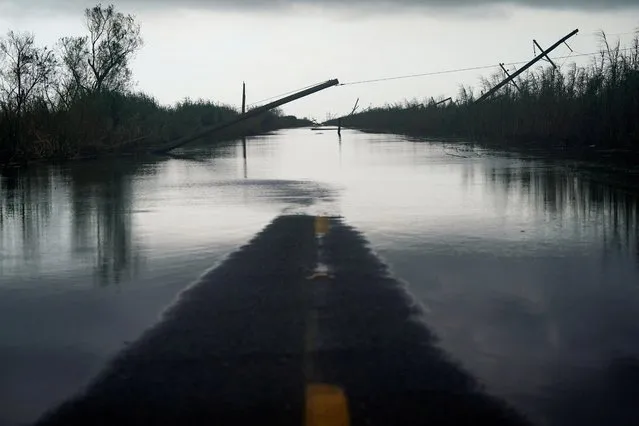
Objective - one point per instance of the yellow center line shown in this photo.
(326, 404)
(322, 225)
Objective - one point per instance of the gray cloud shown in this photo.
(35, 6)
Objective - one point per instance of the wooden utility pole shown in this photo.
(510, 78)
(354, 107)
(243, 97)
(248, 114)
(339, 119)
(244, 112)
(508, 74)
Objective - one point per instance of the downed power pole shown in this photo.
(510, 78)
(246, 115)
(443, 102)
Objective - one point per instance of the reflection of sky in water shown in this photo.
(528, 271)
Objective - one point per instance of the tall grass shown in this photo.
(75, 100)
(576, 106)
(111, 122)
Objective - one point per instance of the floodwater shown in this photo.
(528, 270)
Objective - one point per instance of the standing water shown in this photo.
(527, 270)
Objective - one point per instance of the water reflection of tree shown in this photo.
(25, 209)
(97, 195)
(562, 192)
(101, 203)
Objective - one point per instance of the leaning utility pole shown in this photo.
(246, 115)
(544, 54)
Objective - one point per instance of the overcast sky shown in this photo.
(205, 49)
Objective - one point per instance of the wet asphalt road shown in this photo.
(246, 342)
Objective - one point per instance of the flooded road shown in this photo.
(527, 271)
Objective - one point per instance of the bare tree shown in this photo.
(25, 72)
(465, 95)
(100, 60)
(74, 71)
(113, 40)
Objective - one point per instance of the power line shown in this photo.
(426, 74)
(572, 52)
(281, 95)
(458, 70)
(417, 75)
(596, 33)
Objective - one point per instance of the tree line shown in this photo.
(76, 99)
(575, 107)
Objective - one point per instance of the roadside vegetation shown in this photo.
(574, 108)
(76, 99)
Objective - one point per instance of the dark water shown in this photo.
(528, 270)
